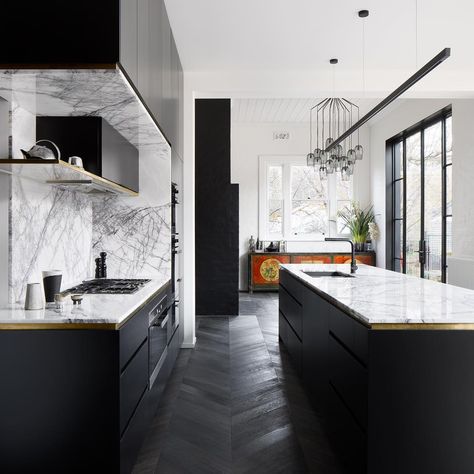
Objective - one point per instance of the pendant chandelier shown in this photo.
(334, 116)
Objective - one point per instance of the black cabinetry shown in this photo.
(78, 400)
(392, 401)
(99, 34)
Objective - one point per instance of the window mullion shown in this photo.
(286, 201)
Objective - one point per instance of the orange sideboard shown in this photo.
(264, 267)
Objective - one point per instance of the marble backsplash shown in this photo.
(52, 228)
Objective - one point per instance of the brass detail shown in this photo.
(424, 326)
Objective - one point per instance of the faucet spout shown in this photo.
(353, 259)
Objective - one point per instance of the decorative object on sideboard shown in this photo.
(273, 247)
(42, 152)
(101, 266)
(34, 298)
(357, 221)
(51, 284)
(76, 161)
(283, 246)
(252, 244)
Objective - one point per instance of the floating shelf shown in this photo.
(62, 174)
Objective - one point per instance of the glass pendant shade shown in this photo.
(345, 176)
(359, 152)
(323, 173)
(310, 159)
(350, 167)
(317, 152)
(330, 167)
(324, 157)
(339, 150)
(351, 155)
(329, 140)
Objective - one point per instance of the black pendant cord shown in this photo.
(412, 80)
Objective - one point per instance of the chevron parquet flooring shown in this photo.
(235, 405)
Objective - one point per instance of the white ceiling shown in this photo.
(281, 110)
(278, 36)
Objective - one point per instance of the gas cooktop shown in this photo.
(109, 286)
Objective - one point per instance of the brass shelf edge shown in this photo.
(103, 182)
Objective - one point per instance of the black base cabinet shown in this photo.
(78, 400)
(392, 401)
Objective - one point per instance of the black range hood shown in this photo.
(104, 151)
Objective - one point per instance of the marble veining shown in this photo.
(379, 296)
(50, 228)
(137, 239)
(95, 309)
(99, 92)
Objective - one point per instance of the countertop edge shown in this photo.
(380, 326)
(12, 326)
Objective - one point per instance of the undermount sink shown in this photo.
(329, 274)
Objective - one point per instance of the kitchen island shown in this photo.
(386, 359)
(80, 385)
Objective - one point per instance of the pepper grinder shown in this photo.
(103, 265)
(97, 267)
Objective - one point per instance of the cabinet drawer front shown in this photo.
(292, 285)
(133, 382)
(349, 378)
(292, 343)
(132, 335)
(134, 435)
(350, 332)
(346, 437)
(292, 311)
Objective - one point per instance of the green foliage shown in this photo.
(357, 220)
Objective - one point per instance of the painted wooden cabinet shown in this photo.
(264, 268)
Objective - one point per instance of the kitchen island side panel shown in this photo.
(421, 410)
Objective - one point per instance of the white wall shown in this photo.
(249, 141)
(403, 115)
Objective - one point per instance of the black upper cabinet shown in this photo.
(59, 32)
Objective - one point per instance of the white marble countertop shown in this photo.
(376, 296)
(105, 311)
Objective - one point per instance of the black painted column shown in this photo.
(217, 212)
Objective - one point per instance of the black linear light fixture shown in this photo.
(422, 72)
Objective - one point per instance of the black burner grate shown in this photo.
(109, 286)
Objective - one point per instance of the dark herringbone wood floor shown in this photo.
(235, 405)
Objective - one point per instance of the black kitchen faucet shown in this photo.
(341, 239)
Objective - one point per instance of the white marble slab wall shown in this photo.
(136, 231)
(50, 229)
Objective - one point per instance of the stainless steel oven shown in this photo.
(158, 333)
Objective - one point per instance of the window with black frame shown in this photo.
(420, 194)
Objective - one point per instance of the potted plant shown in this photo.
(358, 222)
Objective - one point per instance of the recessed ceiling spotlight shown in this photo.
(363, 13)
(333, 61)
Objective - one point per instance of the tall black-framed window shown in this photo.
(419, 196)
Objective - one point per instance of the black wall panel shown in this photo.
(217, 212)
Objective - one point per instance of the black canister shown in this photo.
(51, 284)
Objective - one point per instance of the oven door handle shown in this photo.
(161, 322)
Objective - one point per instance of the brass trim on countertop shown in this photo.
(423, 326)
(23, 326)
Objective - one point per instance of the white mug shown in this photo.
(34, 296)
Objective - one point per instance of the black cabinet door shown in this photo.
(315, 347)
(59, 32)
